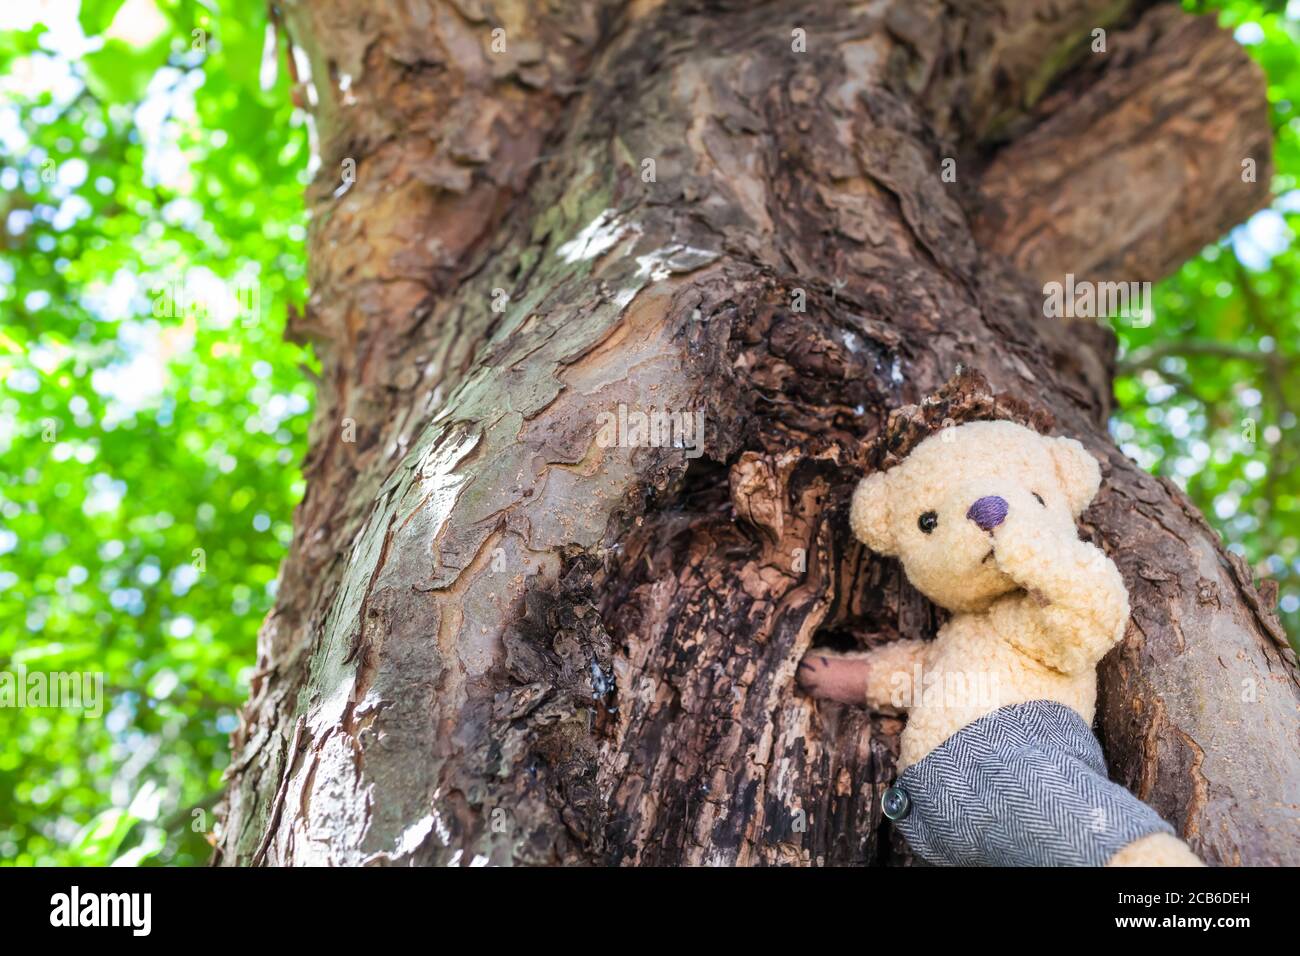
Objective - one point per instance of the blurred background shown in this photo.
(152, 418)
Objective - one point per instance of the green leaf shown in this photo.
(96, 15)
(119, 73)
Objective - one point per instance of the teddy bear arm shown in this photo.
(878, 678)
(1074, 608)
(891, 671)
(1068, 640)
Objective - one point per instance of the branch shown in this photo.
(1150, 356)
(1126, 178)
(989, 64)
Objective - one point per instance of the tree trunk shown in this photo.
(501, 637)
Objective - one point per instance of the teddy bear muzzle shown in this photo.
(988, 512)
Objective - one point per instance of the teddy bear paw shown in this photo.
(829, 677)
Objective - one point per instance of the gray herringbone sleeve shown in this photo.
(1023, 786)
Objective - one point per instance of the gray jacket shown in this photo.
(1023, 786)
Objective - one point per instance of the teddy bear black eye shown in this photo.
(928, 522)
(1039, 498)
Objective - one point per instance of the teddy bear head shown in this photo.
(938, 509)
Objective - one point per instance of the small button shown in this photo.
(895, 803)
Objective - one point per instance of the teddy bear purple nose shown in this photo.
(988, 512)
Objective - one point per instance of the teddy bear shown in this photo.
(998, 763)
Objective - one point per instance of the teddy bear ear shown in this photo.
(869, 513)
(1079, 473)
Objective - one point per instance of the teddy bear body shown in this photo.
(967, 672)
(982, 517)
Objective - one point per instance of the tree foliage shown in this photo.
(152, 417)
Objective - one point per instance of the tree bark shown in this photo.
(499, 639)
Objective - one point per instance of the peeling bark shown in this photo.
(500, 638)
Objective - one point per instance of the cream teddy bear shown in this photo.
(998, 762)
